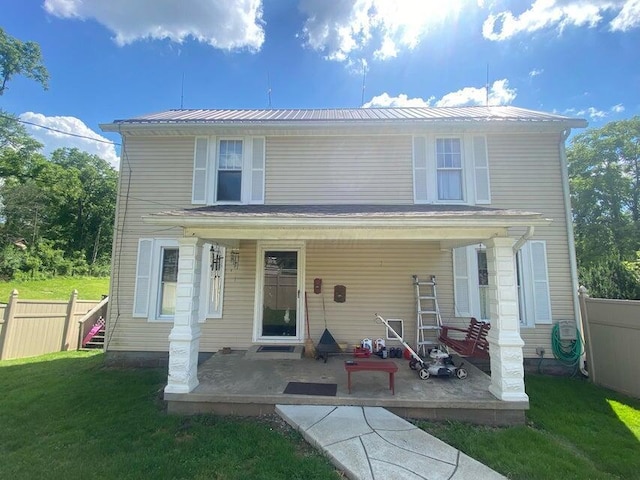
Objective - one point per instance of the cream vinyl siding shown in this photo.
(377, 276)
(156, 175)
(236, 325)
(526, 174)
(339, 169)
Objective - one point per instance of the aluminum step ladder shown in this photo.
(428, 319)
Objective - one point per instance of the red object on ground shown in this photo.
(360, 352)
(406, 354)
(372, 366)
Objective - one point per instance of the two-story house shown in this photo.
(226, 218)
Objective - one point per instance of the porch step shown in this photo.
(253, 353)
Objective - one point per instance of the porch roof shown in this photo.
(421, 221)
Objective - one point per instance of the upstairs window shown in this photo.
(230, 159)
(449, 168)
(228, 170)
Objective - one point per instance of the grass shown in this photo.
(66, 416)
(575, 430)
(58, 288)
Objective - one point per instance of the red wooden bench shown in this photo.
(474, 343)
(372, 366)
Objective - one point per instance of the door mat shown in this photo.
(303, 388)
(276, 348)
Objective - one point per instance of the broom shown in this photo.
(309, 347)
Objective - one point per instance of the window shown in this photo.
(449, 168)
(452, 169)
(531, 280)
(230, 159)
(168, 282)
(156, 279)
(228, 170)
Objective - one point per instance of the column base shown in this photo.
(508, 396)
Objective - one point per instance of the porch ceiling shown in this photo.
(342, 222)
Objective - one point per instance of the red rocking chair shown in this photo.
(474, 343)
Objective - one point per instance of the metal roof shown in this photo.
(358, 115)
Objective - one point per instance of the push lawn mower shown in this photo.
(441, 364)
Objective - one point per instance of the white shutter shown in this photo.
(461, 283)
(419, 169)
(200, 162)
(257, 170)
(483, 194)
(540, 279)
(143, 278)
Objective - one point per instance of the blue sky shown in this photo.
(114, 59)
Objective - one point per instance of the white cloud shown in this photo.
(619, 108)
(344, 29)
(561, 14)
(224, 24)
(499, 94)
(53, 140)
(628, 18)
(385, 100)
(535, 72)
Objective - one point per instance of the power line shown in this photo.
(59, 131)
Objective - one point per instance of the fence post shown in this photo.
(71, 308)
(9, 314)
(583, 295)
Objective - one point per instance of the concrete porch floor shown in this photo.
(233, 384)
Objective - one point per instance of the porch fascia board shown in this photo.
(363, 233)
(411, 227)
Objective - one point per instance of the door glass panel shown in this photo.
(280, 294)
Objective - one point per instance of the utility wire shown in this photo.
(59, 131)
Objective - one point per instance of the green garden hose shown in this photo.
(567, 352)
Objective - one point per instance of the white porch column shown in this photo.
(505, 343)
(184, 339)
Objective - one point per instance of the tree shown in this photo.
(63, 207)
(604, 171)
(20, 58)
(86, 215)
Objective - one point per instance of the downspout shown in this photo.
(522, 240)
(572, 246)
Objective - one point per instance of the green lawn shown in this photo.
(59, 288)
(575, 430)
(66, 416)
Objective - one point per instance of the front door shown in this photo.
(279, 317)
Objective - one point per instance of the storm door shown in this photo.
(280, 295)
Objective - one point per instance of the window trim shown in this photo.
(425, 171)
(461, 169)
(152, 299)
(243, 171)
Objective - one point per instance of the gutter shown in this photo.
(523, 239)
(572, 246)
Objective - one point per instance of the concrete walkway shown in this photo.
(371, 443)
